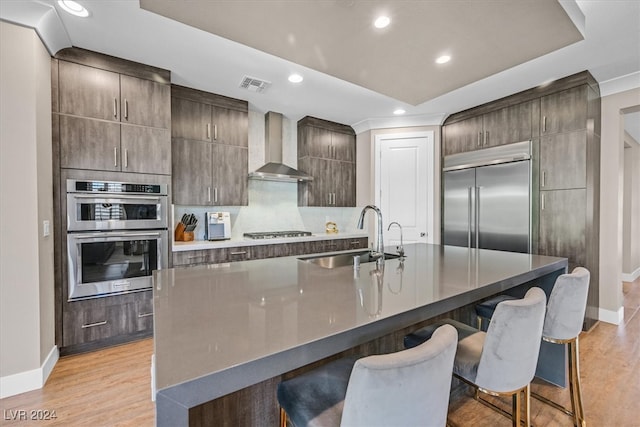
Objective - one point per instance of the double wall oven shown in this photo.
(116, 236)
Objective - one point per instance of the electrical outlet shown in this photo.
(45, 228)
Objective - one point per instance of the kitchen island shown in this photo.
(238, 328)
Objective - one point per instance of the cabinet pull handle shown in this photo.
(126, 109)
(479, 139)
(208, 130)
(115, 108)
(215, 132)
(92, 325)
(355, 243)
(126, 158)
(328, 198)
(215, 195)
(238, 253)
(544, 123)
(208, 194)
(115, 157)
(486, 137)
(197, 257)
(542, 201)
(544, 178)
(144, 315)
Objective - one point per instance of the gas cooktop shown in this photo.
(276, 234)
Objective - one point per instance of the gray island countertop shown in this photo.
(220, 328)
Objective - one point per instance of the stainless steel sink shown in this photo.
(343, 259)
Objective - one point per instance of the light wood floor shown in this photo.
(111, 387)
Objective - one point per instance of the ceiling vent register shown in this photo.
(253, 84)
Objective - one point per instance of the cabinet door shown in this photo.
(89, 144)
(230, 127)
(230, 175)
(563, 161)
(316, 143)
(462, 136)
(191, 167)
(185, 258)
(144, 102)
(89, 92)
(142, 316)
(190, 120)
(145, 150)
(507, 125)
(344, 179)
(319, 191)
(564, 111)
(344, 146)
(563, 225)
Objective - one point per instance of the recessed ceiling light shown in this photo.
(73, 8)
(399, 112)
(295, 78)
(443, 59)
(382, 21)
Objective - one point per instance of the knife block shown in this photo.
(182, 236)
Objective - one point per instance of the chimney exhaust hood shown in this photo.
(274, 169)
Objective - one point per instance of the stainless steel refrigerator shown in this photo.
(487, 198)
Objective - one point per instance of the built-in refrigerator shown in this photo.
(487, 198)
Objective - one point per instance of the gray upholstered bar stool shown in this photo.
(502, 361)
(562, 325)
(406, 388)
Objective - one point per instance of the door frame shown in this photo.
(429, 172)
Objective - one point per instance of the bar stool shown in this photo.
(562, 325)
(409, 387)
(502, 361)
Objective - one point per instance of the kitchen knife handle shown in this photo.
(115, 157)
(126, 109)
(115, 108)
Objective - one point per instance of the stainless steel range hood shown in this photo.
(274, 169)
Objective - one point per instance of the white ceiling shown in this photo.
(196, 58)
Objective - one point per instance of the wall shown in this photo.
(631, 210)
(27, 349)
(611, 199)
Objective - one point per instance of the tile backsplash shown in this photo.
(273, 206)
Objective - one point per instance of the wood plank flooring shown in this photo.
(111, 387)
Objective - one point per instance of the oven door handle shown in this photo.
(109, 235)
(114, 196)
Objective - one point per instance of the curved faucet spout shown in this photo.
(400, 248)
(378, 252)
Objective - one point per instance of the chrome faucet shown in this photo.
(378, 252)
(400, 248)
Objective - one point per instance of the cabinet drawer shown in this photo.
(93, 320)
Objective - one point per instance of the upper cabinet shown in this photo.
(113, 115)
(564, 111)
(498, 127)
(327, 152)
(210, 139)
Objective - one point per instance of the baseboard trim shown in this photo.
(23, 382)
(631, 276)
(610, 316)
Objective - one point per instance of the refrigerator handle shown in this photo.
(477, 217)
(469, 218)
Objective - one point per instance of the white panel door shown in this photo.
(404, 186)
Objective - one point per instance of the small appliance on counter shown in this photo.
(217, 226)
(184, 229)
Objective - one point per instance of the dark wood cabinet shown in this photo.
(501, 126)
(327, 152)
(209, 149)
(243, 253)
(109, 120)
(563, 121)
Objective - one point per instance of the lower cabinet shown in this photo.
(94, 323)
(243, 253)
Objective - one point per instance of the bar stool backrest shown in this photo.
(511, 346)
(567, 305)
(409, 387)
